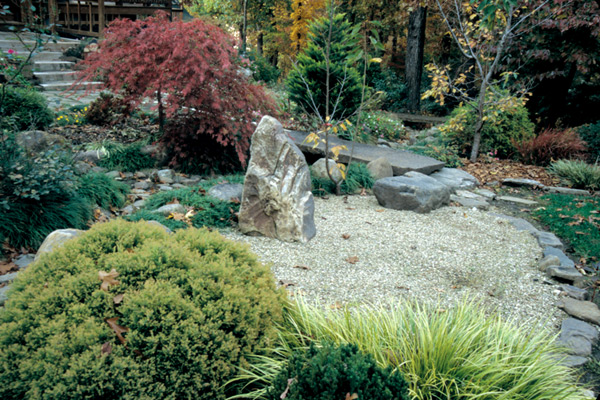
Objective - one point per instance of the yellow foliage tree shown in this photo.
(304, 11)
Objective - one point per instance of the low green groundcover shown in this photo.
(127, 311)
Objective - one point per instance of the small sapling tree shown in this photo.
(192, 71)
(326, 84)
(483, 32)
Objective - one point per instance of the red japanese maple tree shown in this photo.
(193, 72)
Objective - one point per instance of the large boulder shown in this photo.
(380, 168)
(57, 239)
(319, 170)
(227, 191)
(277, 201)
(38, 141)
(412, 191)
(455, 179)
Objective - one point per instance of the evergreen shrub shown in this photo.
(498, 135)
(591, 135)
(307, 82)
(24, 108)
(337, 372)
(179, 319)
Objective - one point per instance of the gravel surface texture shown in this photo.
(363, 253)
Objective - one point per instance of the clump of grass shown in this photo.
(578, 173)
(445, 354)
(357, 176)
(103, 190)
(128, 158)
(574, 219)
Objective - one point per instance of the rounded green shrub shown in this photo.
(332, 372)
(307, 82)
(187, 310)
(24, 108)
(591, 135)
(498, 135)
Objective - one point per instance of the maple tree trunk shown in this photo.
(161, 112)
(415, 44)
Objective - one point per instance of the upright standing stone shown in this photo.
(277, 201)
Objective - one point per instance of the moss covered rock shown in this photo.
(186, 311)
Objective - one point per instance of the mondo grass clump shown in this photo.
(337, 372)
(127, 311)
(357, 176)
(103, 190)
(444, 353)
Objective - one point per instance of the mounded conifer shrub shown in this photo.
(177, 321)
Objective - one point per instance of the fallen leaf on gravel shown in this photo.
(439, 290)
(304, 267)
(118, 329)
(108, 279)
(352, 260)
(402, 287)
(345, 236)
(324, 218)
(363, 192)
(380, 210)
(345, 199)
(336, 306)
(350, 208)
(285, 284)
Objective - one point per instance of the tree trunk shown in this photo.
(244, 27)
(479, 123)
(161, 112)
(259, 43)
(415, 44)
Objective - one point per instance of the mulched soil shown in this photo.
(496, 170)
(130, 131)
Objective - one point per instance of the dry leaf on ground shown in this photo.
(108, 279)
(118, 329)
(352, 260)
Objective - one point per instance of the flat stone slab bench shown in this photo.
(402, 161)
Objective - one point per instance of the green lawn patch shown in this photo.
(575, 219)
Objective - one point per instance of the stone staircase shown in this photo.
(50, 72)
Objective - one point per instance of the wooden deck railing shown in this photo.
(90, 17)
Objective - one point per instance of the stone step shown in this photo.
(55, 76)
(42, 56)
(62, 86)
(401, 161)
(25, 46)
(47, 66)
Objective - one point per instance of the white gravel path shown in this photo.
(447, 255)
